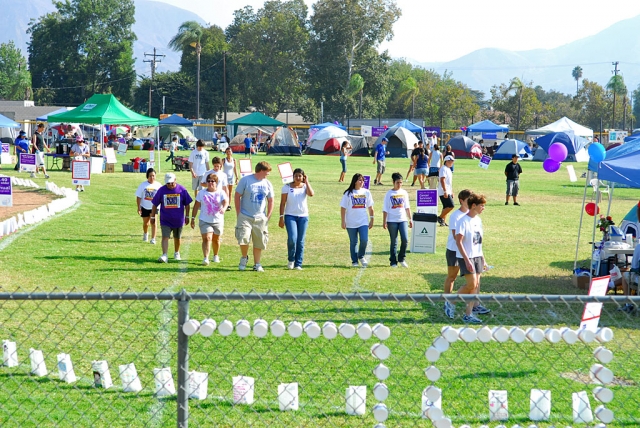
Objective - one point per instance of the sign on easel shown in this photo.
(484, 162)
(111, 155)
(27, 162)
(5, 155)
(572, 174)
(427, 201)
(286, 172)
(245, 167)
(592, 311)
(81, 173)
(6, 192)
(122, 148)
(367, 181)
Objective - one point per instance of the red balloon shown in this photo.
(592, 209)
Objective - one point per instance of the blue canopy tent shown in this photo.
(319, 126)
(5, 122)
(510, 147)
(175, 120)
(575, 146)
(623, 169)
(620, 151)
(44, 117)
(407, 124)
(486, 126)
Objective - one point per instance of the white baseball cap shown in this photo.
(169, 177)
(449, 158)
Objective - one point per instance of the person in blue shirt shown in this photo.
(22, 146)
(247, 145)
(381, 152)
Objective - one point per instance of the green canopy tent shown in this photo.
(105, 109)
(254, 119)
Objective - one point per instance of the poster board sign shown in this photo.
(27, 162)
(286, 172)
(152, 156)
(366, 131)
(5, 154)
(367, 181)
(617, 136)
(6, 192)
(592, 311)
(430, 130)
(572, 174)
(489, 135)
(427, 201)
(122, 148)
(377, 131)
(111, 155)
(245, 167)
(81, 173)
(484, 162)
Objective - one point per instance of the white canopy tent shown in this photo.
(561, 125)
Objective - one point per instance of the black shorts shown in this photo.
(247, 151)
(478, 265)
(447, 202)
(452, 260)
(145, 212)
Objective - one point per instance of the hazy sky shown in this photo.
(445, 30)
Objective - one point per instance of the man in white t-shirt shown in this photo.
(445, 189)
(198, 165)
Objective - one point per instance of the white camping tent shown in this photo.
(561, 125)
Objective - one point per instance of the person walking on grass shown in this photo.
(345, 151)
(412, 162)
(434, 167)
(512, 171)
(396, 218)
(173, 146)
(198, 165)
(22, 146)
(381, 153)
(174, 204)
(39, 145)
(421, 162)
(445, 189)
(212, 202)
(414, 155)
(294, 215)
(253, 202)
(229, 168)
(80, 152)
(356, 212)
(469, 253)
(248, 142)
(144, 195)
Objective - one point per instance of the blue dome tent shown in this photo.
(510, 147)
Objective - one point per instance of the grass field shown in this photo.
(97, 246)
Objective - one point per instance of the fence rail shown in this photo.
(241, 358)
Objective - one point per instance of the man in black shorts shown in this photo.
(445, 189)
(513, 171)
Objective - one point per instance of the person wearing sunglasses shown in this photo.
(211, 202)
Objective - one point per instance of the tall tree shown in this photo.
(577, 75)
(190, 34)
(15, 79)
(592, 104)
(177, 89)
(356, 85)
(84, 47)
(617, 87)
(408, 90)
(516, 85)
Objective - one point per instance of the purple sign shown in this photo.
(427, 198)
(430, 130)
(485, 161)
(5, 148)
(377, 131)
(6, 198)
(367, 180)
(490, 135)
(27, 162)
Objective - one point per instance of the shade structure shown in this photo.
(616, 152)
(563, 124)
(254, 119)
(487, 126)
(174, 119)
(623, 170)
(104, 109)
(5, 122)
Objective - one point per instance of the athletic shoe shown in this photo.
(33, 175)
(205, 262)
(145, 237)
(404, 264)
(216, 259)
(176, 256)
(449, 310)
(163, 259)
(379, 184)
(243, 263)
(481, 310)
(517, 204)
(363, 262)
(394, 266)
(258, 268)
(506, 203)
(355, 264)
(298, 267)
(290, 265)
(153, 241)
(440, 221)
(229, 208)
(413, 184)
(470, 319)
(46, 176)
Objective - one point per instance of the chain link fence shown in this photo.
(309, 360)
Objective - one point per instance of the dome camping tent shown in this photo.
(510, 147)
(400, 140)
(563, 124)
(465, 148)
(284, 141)
(331, 146)
(576, 146)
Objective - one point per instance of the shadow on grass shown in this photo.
(136, 260)
(499, 375)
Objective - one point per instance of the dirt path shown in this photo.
(25, 200)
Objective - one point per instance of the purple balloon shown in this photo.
(550, 165)
(558, 152)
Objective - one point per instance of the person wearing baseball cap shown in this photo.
(22, 146)
(381, 152)
(175, 205)
(445, 189)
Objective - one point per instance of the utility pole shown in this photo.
(615, 72)
(153, 62)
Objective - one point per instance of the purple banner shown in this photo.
(427, 198)
(377, 131)
(367, 180)
(5, 186)
(27, 162)
(490, 135)
(5, 148)
(484, 162)
(430, 130)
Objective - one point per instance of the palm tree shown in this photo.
(516, 85)
(409, 87)
(190, 34)
(577, 75)
(356, 85)
(617, 87)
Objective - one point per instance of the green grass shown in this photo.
(97, 247)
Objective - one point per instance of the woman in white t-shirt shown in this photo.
(356, 210)
(434, 167)
(144, 195)
(396, 216)
(469, 251)
(212, 203)
(294, 215)
(229, 168)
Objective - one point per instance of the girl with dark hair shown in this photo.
(396, 216)
(356, 210)
(294, 215)
(421, 162)
(145, 193)
(345, 150)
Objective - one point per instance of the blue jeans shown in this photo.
(343, 162)
(394, 228)
(363, 231)
(296, 232)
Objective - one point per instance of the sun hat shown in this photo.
(449, 158)
(79, 138)
(169, 177)
(385, 139)
(22, 133)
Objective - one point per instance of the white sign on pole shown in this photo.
(591, 314)
(81, 173)
(122, 148)
(366, 131)
(286, 172)
(245, 167)
(572, 174)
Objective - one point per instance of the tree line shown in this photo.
(282, 57)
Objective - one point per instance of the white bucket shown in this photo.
(485, 335)
(604, 334)
(498, 405)
(243, 389)
(449, 333)
(295, 329)
(312, 329)
(347, 330)
(364, 331)
(356, 400)
(380, 412)
(468, 334)
(552, 335)
(517, 334)
(432, 373)
(603, 394)
(540, 405)
(381, 371)
(569, 335)
(278, 328)
(288, 396)
(441, 344)
(101, 374)
(380, 351)
(208, 327)
(329, 330)
(586, 336)
(225, 328)
(432, 354)
(433, 393)
(443, 423)
(600, 373)
(380, 391)
(38, 367)
(260, 328)
(197, 384)
(581, 408)
(431, 409)
(191, 327)
(381, 331)
(9, 354)
(603, 355)
(65, 368)
(129, 378)
(535, 335)
(603, 414)
(500, 334)
(164, 382)
(243, 328)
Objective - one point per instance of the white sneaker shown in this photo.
(243, 263)
(153, 241)
(33, 175)
(46, 176)
(290, 265)
(355, 264)
(216, 259)
(394, 266)
(258, 268)
(176, 255)
(298, 267)
(404, 264)
(205, 262)
(145, 237)
(163, 259)
(363, 262)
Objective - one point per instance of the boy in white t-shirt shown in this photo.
(198, 165)
(452, 261)
(223, 184)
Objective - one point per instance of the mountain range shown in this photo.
(157, 22)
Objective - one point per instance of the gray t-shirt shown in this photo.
(254, 194)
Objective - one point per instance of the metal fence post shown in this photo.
(183, 362)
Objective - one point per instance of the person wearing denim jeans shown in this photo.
(294, 215)
(356, 203)
(396, 217)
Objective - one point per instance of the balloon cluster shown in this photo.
(463, 128)
(557, 154)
